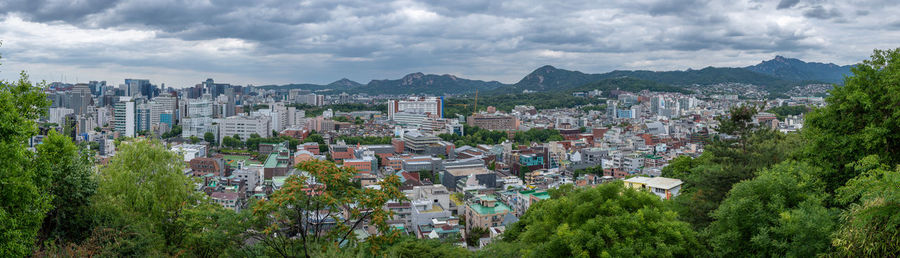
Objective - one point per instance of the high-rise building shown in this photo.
(657, 103)
(198, 120)
(125, 117)
(142, 117)
(160, 105)
(81, 98)
(134, 87)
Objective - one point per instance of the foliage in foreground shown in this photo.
(609, 220)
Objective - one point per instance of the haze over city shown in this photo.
(180, 43)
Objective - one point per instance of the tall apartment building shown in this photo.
(433, 106)
(124, 119)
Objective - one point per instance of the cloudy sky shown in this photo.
(258, 42)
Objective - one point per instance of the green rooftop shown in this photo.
(542, 195)
(497, 209)
(233, 160)
(487, 198)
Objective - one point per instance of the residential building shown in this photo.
(665, 188)
(484, 211)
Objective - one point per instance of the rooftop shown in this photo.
(467, 171)
(483, 210)
(656, 182)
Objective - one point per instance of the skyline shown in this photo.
(320, 42)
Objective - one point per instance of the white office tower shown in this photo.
(199, 119)
(244, 126)
(125, 117)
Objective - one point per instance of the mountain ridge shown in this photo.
(777, 75)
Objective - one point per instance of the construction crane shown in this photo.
(475, 110)
(466, 106)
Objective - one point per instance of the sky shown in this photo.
(181, 43)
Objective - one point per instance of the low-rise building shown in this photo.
(485, 211)
(664, 187)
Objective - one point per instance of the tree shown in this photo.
(679, 167)
(608, 220)
(413, 247)
(596, 170)
(71, 184)
(291, 222)
(143, 193)
(474, 235)
(23, 199)
(730, 158)
(870, 227)
(211, 230)
(781, 212)
(860, 120)
(176, 131)
(232, 142)
(194, 139)
(210, 138)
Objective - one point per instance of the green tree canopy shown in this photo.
(288, 223)
(210, 138)
(143, 192)
(779, 213)
(71, 182)
(729, 159)
(871, 225)
(609, 220)
(23, 199)
(862, 118)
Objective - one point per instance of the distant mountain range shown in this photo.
(795, 69)
(778, 75)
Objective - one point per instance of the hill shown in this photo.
(550, 78)
(798, 70)
(414, 83)
(777, 75)
(419, 83)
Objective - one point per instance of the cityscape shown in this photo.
(779, 157)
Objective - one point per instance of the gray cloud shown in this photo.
(787, 4)
(282, 41)
(820, 12)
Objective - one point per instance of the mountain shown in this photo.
(344, 83)
(548, 78)
(798, 70)
(414, 83)
(302, 86)
(777, 75)
(429, 84)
